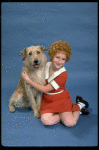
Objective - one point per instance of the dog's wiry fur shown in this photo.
(26, 95)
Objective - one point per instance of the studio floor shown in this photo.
(26, 24)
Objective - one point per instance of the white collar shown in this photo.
(55, 74)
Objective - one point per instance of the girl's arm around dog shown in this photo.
(42, 88)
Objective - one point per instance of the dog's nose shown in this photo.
(35, 60)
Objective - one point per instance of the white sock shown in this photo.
(81, 105)
(80, 113)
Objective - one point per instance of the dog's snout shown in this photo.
(35, 60)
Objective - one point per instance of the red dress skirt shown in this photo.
(58, 103)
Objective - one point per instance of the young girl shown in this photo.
(56, 104)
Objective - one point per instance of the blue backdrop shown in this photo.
(26, 24)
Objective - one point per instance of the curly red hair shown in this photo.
(60, 46)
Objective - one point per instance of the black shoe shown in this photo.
(79, 99)
(84, 111)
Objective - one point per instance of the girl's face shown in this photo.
(59, 60)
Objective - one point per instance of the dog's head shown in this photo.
(35, 56)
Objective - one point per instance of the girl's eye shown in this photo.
(38, 52)
(30, 53)
(57, 57)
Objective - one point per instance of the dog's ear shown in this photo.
(23, 52)
(43, 48)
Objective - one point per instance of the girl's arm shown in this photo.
(42, 88)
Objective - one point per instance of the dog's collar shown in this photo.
(24, 60)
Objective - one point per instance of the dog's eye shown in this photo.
(30, 53)
(38, 52)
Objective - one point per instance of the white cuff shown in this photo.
(54, 84)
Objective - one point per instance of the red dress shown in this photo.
(58, 100)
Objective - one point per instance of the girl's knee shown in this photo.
(69, 123)
(45, 120)
(68, 119)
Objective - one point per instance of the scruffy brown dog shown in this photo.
(26, 95)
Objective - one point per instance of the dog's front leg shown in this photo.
(39, 102)
(32, 101)
(15, 100)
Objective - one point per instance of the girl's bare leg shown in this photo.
(76, 115)
(50, 119)
(69, 118)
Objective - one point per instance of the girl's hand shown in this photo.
(25, 76)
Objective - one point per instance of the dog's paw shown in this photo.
(37, 114)
(12, 109)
